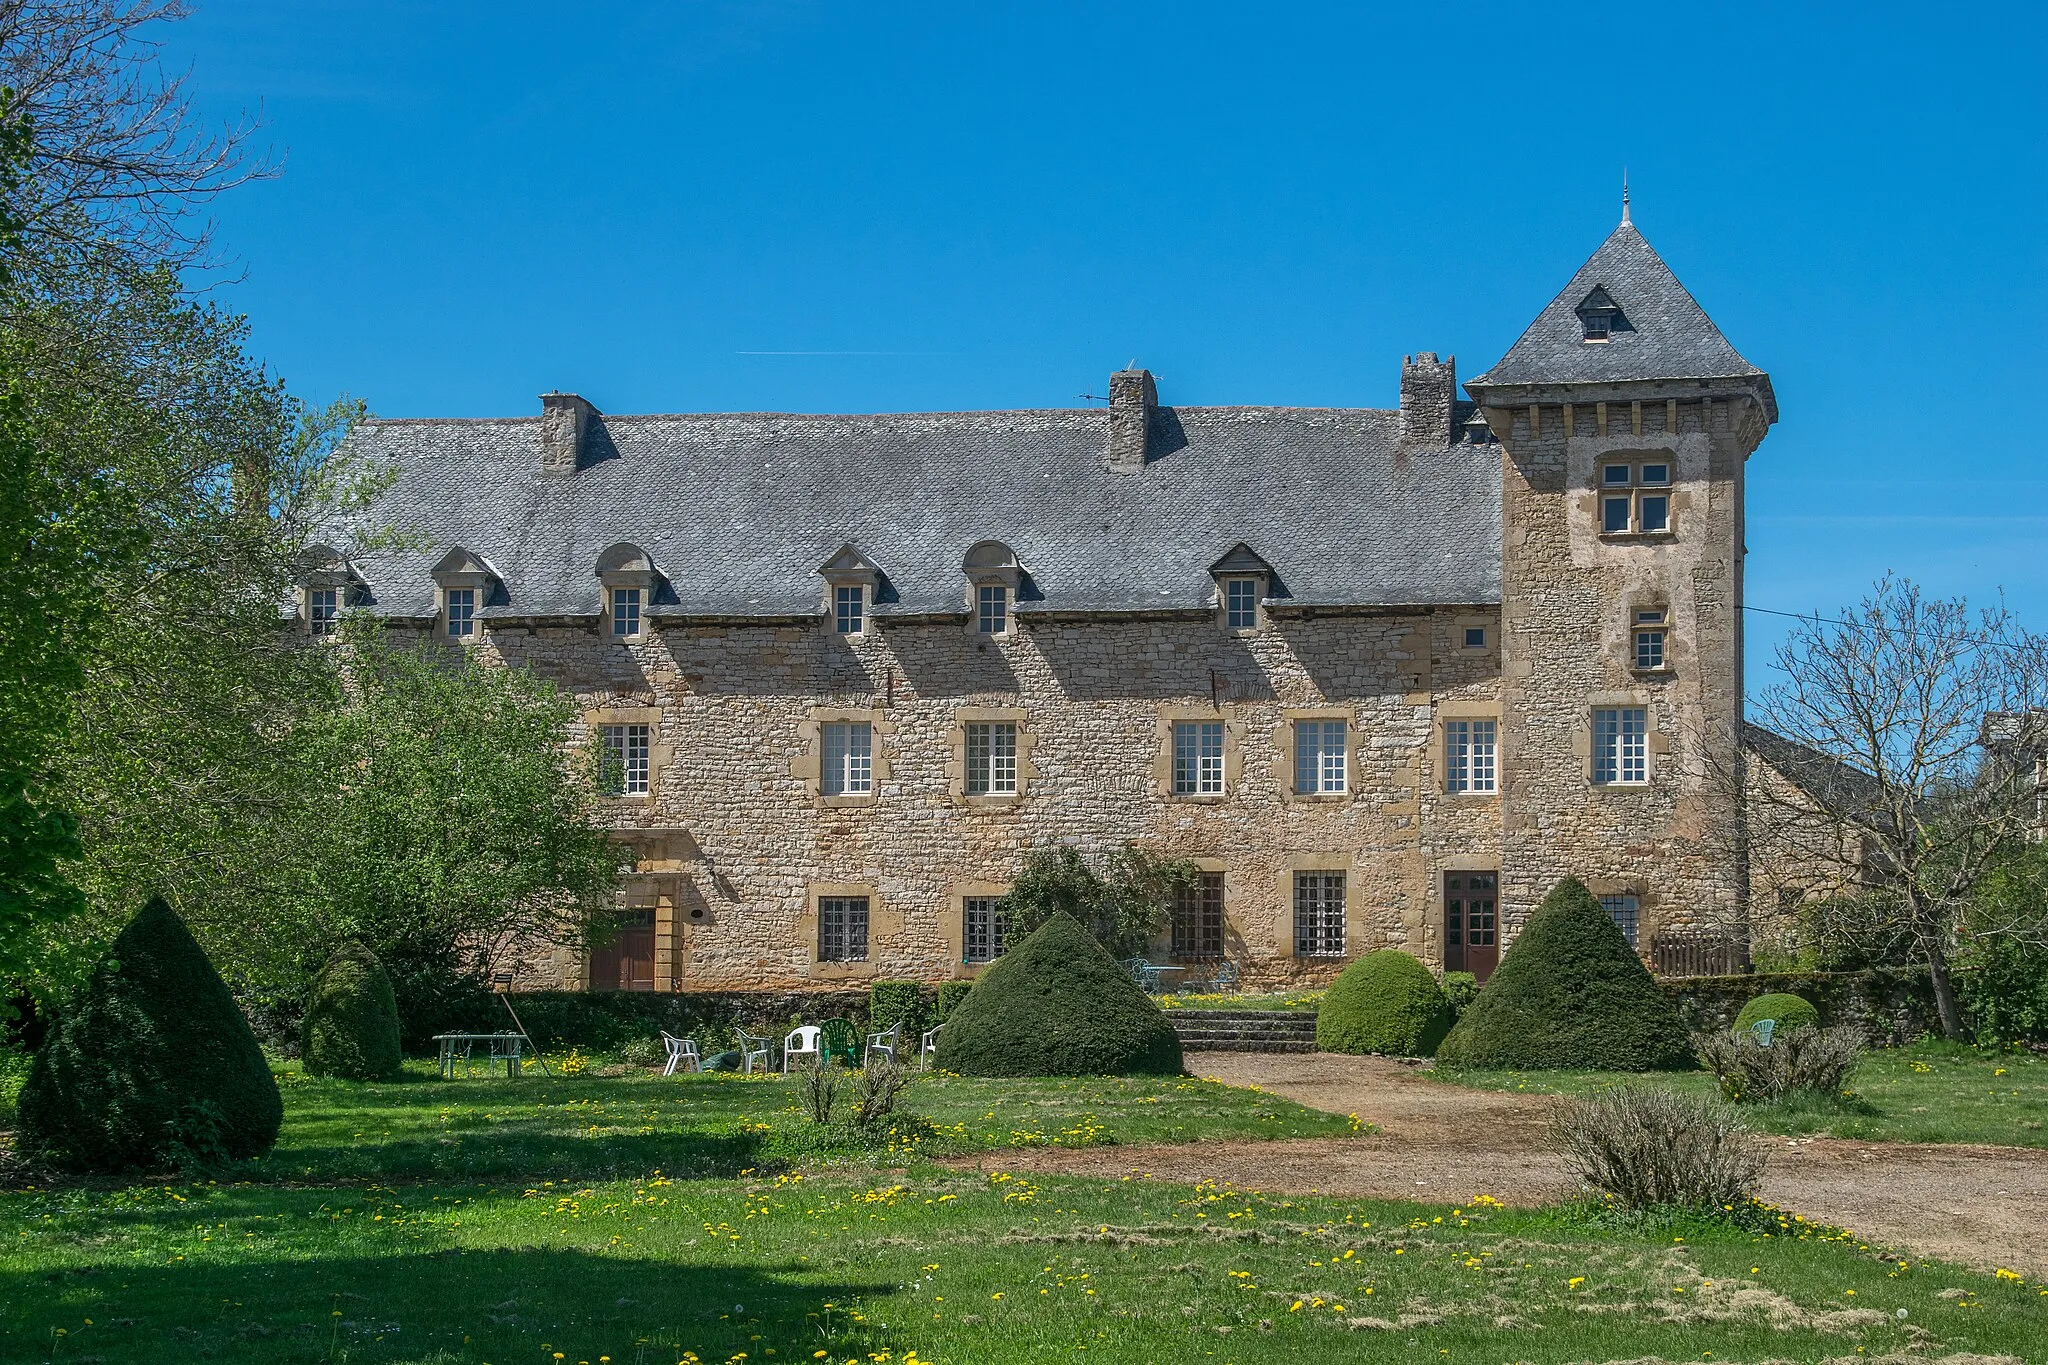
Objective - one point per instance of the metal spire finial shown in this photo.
(1624, 195)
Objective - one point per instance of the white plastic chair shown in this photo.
(803, 1041)
(883, 1042)
(680, 1051)
(752, 1046)
(928, 1046)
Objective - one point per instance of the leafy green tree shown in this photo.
(1124, 905)
(456, 817)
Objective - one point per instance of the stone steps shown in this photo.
(1244, 1030)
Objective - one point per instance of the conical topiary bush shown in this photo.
(1057, 1004)
(151, 1065)
(1570, 993)
(351, 1024)
(1385, 1002)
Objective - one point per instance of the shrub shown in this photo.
(151, 1062)
(1790, 1012)
(1056, 1004)
(1570, 993)
(643, 1051)
(1384, 1002)
(436, 994)
(1802, 1059)
(817, 1088)
(351, 1024)
(1461, 989)
(1650, 1147)
(2004, 991)
(951, 993)
(897, 1003)
(876, 1087)
(1124, 905)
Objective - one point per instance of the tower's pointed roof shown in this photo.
(1659, 331)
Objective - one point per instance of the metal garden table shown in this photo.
(505, 1047)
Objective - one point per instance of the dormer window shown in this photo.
(1241, 603)
(626, 613)
(323, 610)
(993, 579)
(1600, 316)
(849, 608)
(991, 608)
(1243, 583)
(460, 611)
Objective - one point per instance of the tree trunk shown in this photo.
(1944, 993)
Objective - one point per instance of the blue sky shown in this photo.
(877, 207)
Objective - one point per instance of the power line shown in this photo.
(1816, 619)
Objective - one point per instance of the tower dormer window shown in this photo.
(1600, 316)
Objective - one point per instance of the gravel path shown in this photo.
(1976, 1205)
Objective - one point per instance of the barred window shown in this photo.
(1197, 757)
(849, 766)
(849, 608)
(625, 612)
(461, 613)
(1197, 917)
(992, 608)
(842, 928)
(992, 758)
(1626, 912)
(323, 606)
(986, 928)
(1470, 747)
(1318, 757)
(1319, 914)
(1241, 603)
(1621, 750)
(625, 760)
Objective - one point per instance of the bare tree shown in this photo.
(1898, 756)
(120, 155)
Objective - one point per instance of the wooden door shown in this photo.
(626, 963)
(1471, 927)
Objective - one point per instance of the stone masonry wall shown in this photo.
(735, 843)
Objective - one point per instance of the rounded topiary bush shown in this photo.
(1570, 993)
(351, 1026)
(1056, 1004)
(1384, 1002)
(1790, 1012)
(151, 1065)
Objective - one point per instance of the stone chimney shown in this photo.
(1133, 398)
(1428, 388)
(564, 422)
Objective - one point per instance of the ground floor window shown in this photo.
(1319, 914)
(1626, 912)
(1198, 917)
(625, 961)
(842, 928)
(986, 929)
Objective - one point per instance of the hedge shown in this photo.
(1788, 1011)
(351, 1024)
(1385, 1002)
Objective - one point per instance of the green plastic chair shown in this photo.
(838, 1038)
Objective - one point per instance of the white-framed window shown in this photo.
(1648, 644)
(1241, 603)
(1319, 914)
(461, 613)
(842, 928)
(1621, 745)
(1626, 911)
(849, 764)
(625, 613)
(1635, 498)
(849, 608)
(1197, 757)
(992, 758)
(323, 610)
(985, 928)
(625, 760)
(1319, 761)
(1471, 749)
(992, 608)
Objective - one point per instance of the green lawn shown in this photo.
(466, 1222)
(1925, 1092)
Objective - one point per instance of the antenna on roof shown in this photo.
(1624, 195)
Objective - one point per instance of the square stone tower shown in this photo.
(1625, 419)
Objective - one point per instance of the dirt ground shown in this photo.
(1976, 1205)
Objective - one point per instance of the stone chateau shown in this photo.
(1386, 676)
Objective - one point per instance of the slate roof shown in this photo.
(1661, 333)
(738, 511)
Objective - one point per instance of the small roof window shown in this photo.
(1600, 317)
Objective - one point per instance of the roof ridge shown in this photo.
(1253, 408)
